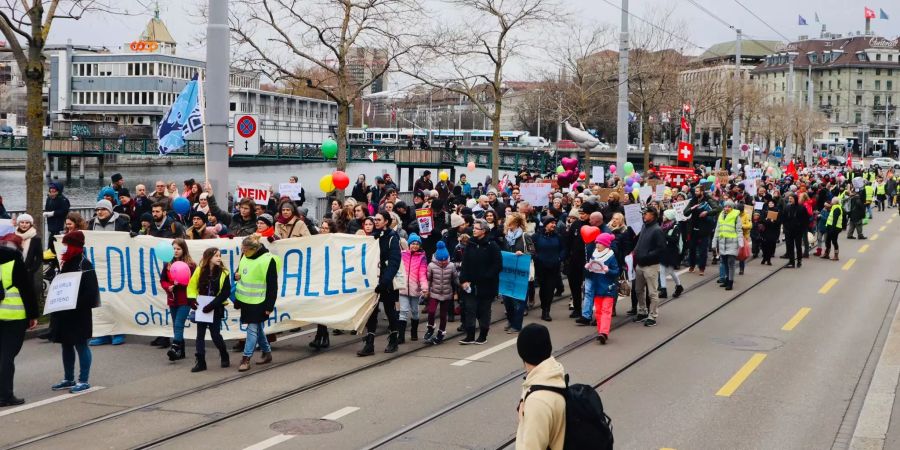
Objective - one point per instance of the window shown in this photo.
(877, 100)
(829, 100)
(861, 57)
(838, 100)
(857, 118)
(890, 99)
(890, 57)
(878, 57)
(130, 98)
(858, 100)
(859, 84)
(859, 71)
(839, 84)
(829, 85)
(877, 72)
(877, 85)
(889, 85)
(837, 116)
(813, 58)
(152, 67)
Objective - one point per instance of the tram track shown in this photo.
(571, 347)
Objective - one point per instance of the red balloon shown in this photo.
(582, 175)
(340, 179)
(589, 233)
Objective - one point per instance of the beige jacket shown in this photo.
(290, 230)
(542, 417)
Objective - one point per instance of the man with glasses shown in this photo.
(159, 196)
(479, 279)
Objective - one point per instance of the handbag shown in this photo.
(624, 286)
(399, 281)
(744, 252)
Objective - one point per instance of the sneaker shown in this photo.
(62, 385)
(480, 341)
(512, 331)
(850, 237)
(639, 318)
(102, 340)
(582, 321)
(12, 401)
(602, 338)
(630, 312)
(118, 339)
(650, 323)
(80, 387)
(466, 341)
(574, 314)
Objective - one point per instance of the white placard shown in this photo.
(679, 207)
(645, 193)
(258, 192)
(536, 194)
(750, 186)
(292, 190)
(753, 174)
(660, 192)
(199, 315)
(597, 175)
(63, 293)
(757, 206)
(633, 217)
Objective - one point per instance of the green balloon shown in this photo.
(711, 178)
(559, 169)
(329, 148)
(629, 168)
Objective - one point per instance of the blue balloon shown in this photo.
(629, 181)
(164, 251)
(181, 205)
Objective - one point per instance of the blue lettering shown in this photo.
(92, 260)
(325, 290)
(286, 274)
(140, 272)
(345, 270)
(363, 269)
(141, 318)
(109, 264)
(306, 290)
(155, 270)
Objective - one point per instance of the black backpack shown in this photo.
(587, 426)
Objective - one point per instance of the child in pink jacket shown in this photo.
(416, 265)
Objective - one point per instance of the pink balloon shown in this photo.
(471, 166)
(180, 273)
(569, 163)
(612, 168)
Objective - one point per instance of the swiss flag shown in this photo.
(685, 125)
(685, 152)
(850, 161)
(791, 170)
(373, 156)
(870, 14)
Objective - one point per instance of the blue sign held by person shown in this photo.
(514, 275)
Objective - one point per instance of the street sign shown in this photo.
(745, 149)
(777, 153)
(246, 135)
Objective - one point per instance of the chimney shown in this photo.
(868, 26)
(823, 34)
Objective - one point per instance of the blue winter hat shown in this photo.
(413, 237)
(108, 191)
(441, 253)
(55, 185)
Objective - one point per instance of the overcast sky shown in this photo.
(840, 16)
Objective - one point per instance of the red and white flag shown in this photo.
(685, 152)
(373, 156)
(850, 161)
(870, 13)
(685, 125)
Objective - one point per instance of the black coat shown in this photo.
(481, 266)
(672, 256)
(59, 206)
(388, 260)
(75, 326)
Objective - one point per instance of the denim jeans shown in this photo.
(409, 308)
(179, 317)
(84, 361)
(587, 307)
(515, 312)
(255, 334)
(727, 264)
(699, 248)
(664, 272)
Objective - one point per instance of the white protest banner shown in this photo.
(535, 193)
(63, 293)
(326, 279)
(645, 193)
(425, 218)
(679, 210)
(597, 175)
(292, 190)
(660, 192)
(258, 192)
(633, 217)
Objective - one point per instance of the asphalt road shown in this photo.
(776, 363)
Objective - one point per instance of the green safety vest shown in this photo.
(840, 221)
(11, 307)
(870, 193)
(251, 288)
(728, 224)
(880, 189)
(869, 176)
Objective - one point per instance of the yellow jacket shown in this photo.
(542, 417)
(746, 225)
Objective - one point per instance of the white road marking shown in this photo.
(47, 401)
(488, 352)
(275, 440)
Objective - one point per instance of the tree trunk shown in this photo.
(343, 155)
(646, 139)
(495, 140)
(34, 165)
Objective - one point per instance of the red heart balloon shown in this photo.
(582, 175)
(589, 233)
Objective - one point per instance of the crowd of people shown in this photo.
(452, 270)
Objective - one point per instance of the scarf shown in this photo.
(26, 238)
(513, 236)
(72, 253)
(279, 218)
(269, 232)
(205, 210)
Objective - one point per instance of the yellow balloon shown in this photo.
(326, 183)
(636, 194)
(443, 176)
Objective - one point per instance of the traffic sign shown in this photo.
(745, 150)
(246, 135)
(777, 153)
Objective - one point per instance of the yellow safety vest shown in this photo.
(870, 193)
(11, 307)
(728, 224)
(251, 288)
(193, 287)
(840, 221)
(880, 189)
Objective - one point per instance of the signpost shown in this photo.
(246, 135)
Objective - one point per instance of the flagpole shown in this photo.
(201, 100)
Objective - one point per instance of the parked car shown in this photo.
(837, 160)
(389, 141)
(885, 163)
(567, 144)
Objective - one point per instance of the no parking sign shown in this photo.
(246, 135)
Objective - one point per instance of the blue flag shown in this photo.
(802, 21)
(883, 14)
(182, 119)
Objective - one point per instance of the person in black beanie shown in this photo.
(542, 419)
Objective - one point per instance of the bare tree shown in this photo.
(469, 59)
(26, 25)
(343, 46)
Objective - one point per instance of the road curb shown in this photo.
(875, 417)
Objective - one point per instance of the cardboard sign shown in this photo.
(758, 206)
(722, 177)
(633, 217)
(425, 219)
(772, 215)
(597, 175)
(753, 174)
(258, 192)
(63, 294)
(645, 193)
(292, 190)
(603, 194)
(536, 194)
(679, 207)
(750, 186)
(748, 210)
(660, 192)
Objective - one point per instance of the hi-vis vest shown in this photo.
(840, 221)
(870, 193)
(728, 224)
(251, 288)
(880, 189)
(11, 307)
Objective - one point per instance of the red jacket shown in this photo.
(178, 296)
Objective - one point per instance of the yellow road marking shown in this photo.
(828, 285)
(864, 248)
(849, 264)
(735, 382)
(874, 236)
(791, 324)
(890, 221)
(882, 228)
